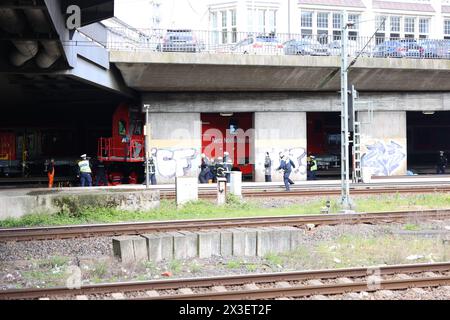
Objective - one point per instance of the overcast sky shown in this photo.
(175, 13)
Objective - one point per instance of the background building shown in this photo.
(402, 19)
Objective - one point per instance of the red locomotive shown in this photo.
(123, 153)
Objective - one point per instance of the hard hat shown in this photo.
(83, 156)
(203, 155)
(226, 153)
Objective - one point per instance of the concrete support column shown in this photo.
(383, 143)
(177, 140)
(277, 132)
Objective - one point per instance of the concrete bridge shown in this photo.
(154, 71)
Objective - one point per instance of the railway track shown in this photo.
(135, 228)
(256, 286)
(321, 190)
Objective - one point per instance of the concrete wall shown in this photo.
(177, 140)
(280, 132)
(383, 143)
(291, 101)
(16, 204)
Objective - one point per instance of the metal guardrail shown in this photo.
(233, 42)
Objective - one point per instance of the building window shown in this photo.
(410, 25)
(379, 38)
(224, 27)
(322, 20)
(322, 27)
(306, 33)
(306, 19)
(233, 26)
(272, 21)
(424, 25)
(214, 28)
(380, 23)
(395, 24)
(337, 21)
(447, 27)
(355, 19)
(336, 35)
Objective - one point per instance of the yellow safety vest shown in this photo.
(84, 166)
(314, 166)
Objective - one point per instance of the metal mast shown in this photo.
(345, 179)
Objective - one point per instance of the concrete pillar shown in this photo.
(383, 143)
(176, 137)
(277, 132)
(236, 183)
(186, 189)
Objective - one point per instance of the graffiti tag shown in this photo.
(383, 158)
(171, 163)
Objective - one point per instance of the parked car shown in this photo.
(259, 45)
(353, 48)
(413, 48)
(182, 40)
(303, 47)
(435, 48)
(392, 49)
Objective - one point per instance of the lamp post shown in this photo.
(147, 145)
(345, 179)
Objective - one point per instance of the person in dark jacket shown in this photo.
(228, 163)
(100, 174)
(205, 170)
(441, 163)
(268, 168)
(286, 166)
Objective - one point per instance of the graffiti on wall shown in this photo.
(180, 162)
(383, 157)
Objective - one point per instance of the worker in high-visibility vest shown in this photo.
(85, 172)
(311, 167)
(51, 173)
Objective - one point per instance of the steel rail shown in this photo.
(318, 191)
(302, 291)
(34, 293)
(135, 228)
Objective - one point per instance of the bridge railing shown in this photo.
(233, 42)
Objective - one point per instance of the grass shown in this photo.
(100, 270)
(273, 259)
(195, 267)
(53, 262)
(356, 251)
(411, 227)
(233, 264)
(175, 266)
(234, 208)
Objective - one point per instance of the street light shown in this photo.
(147, 133)
(345, 179)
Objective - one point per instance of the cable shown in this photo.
(362, 50)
